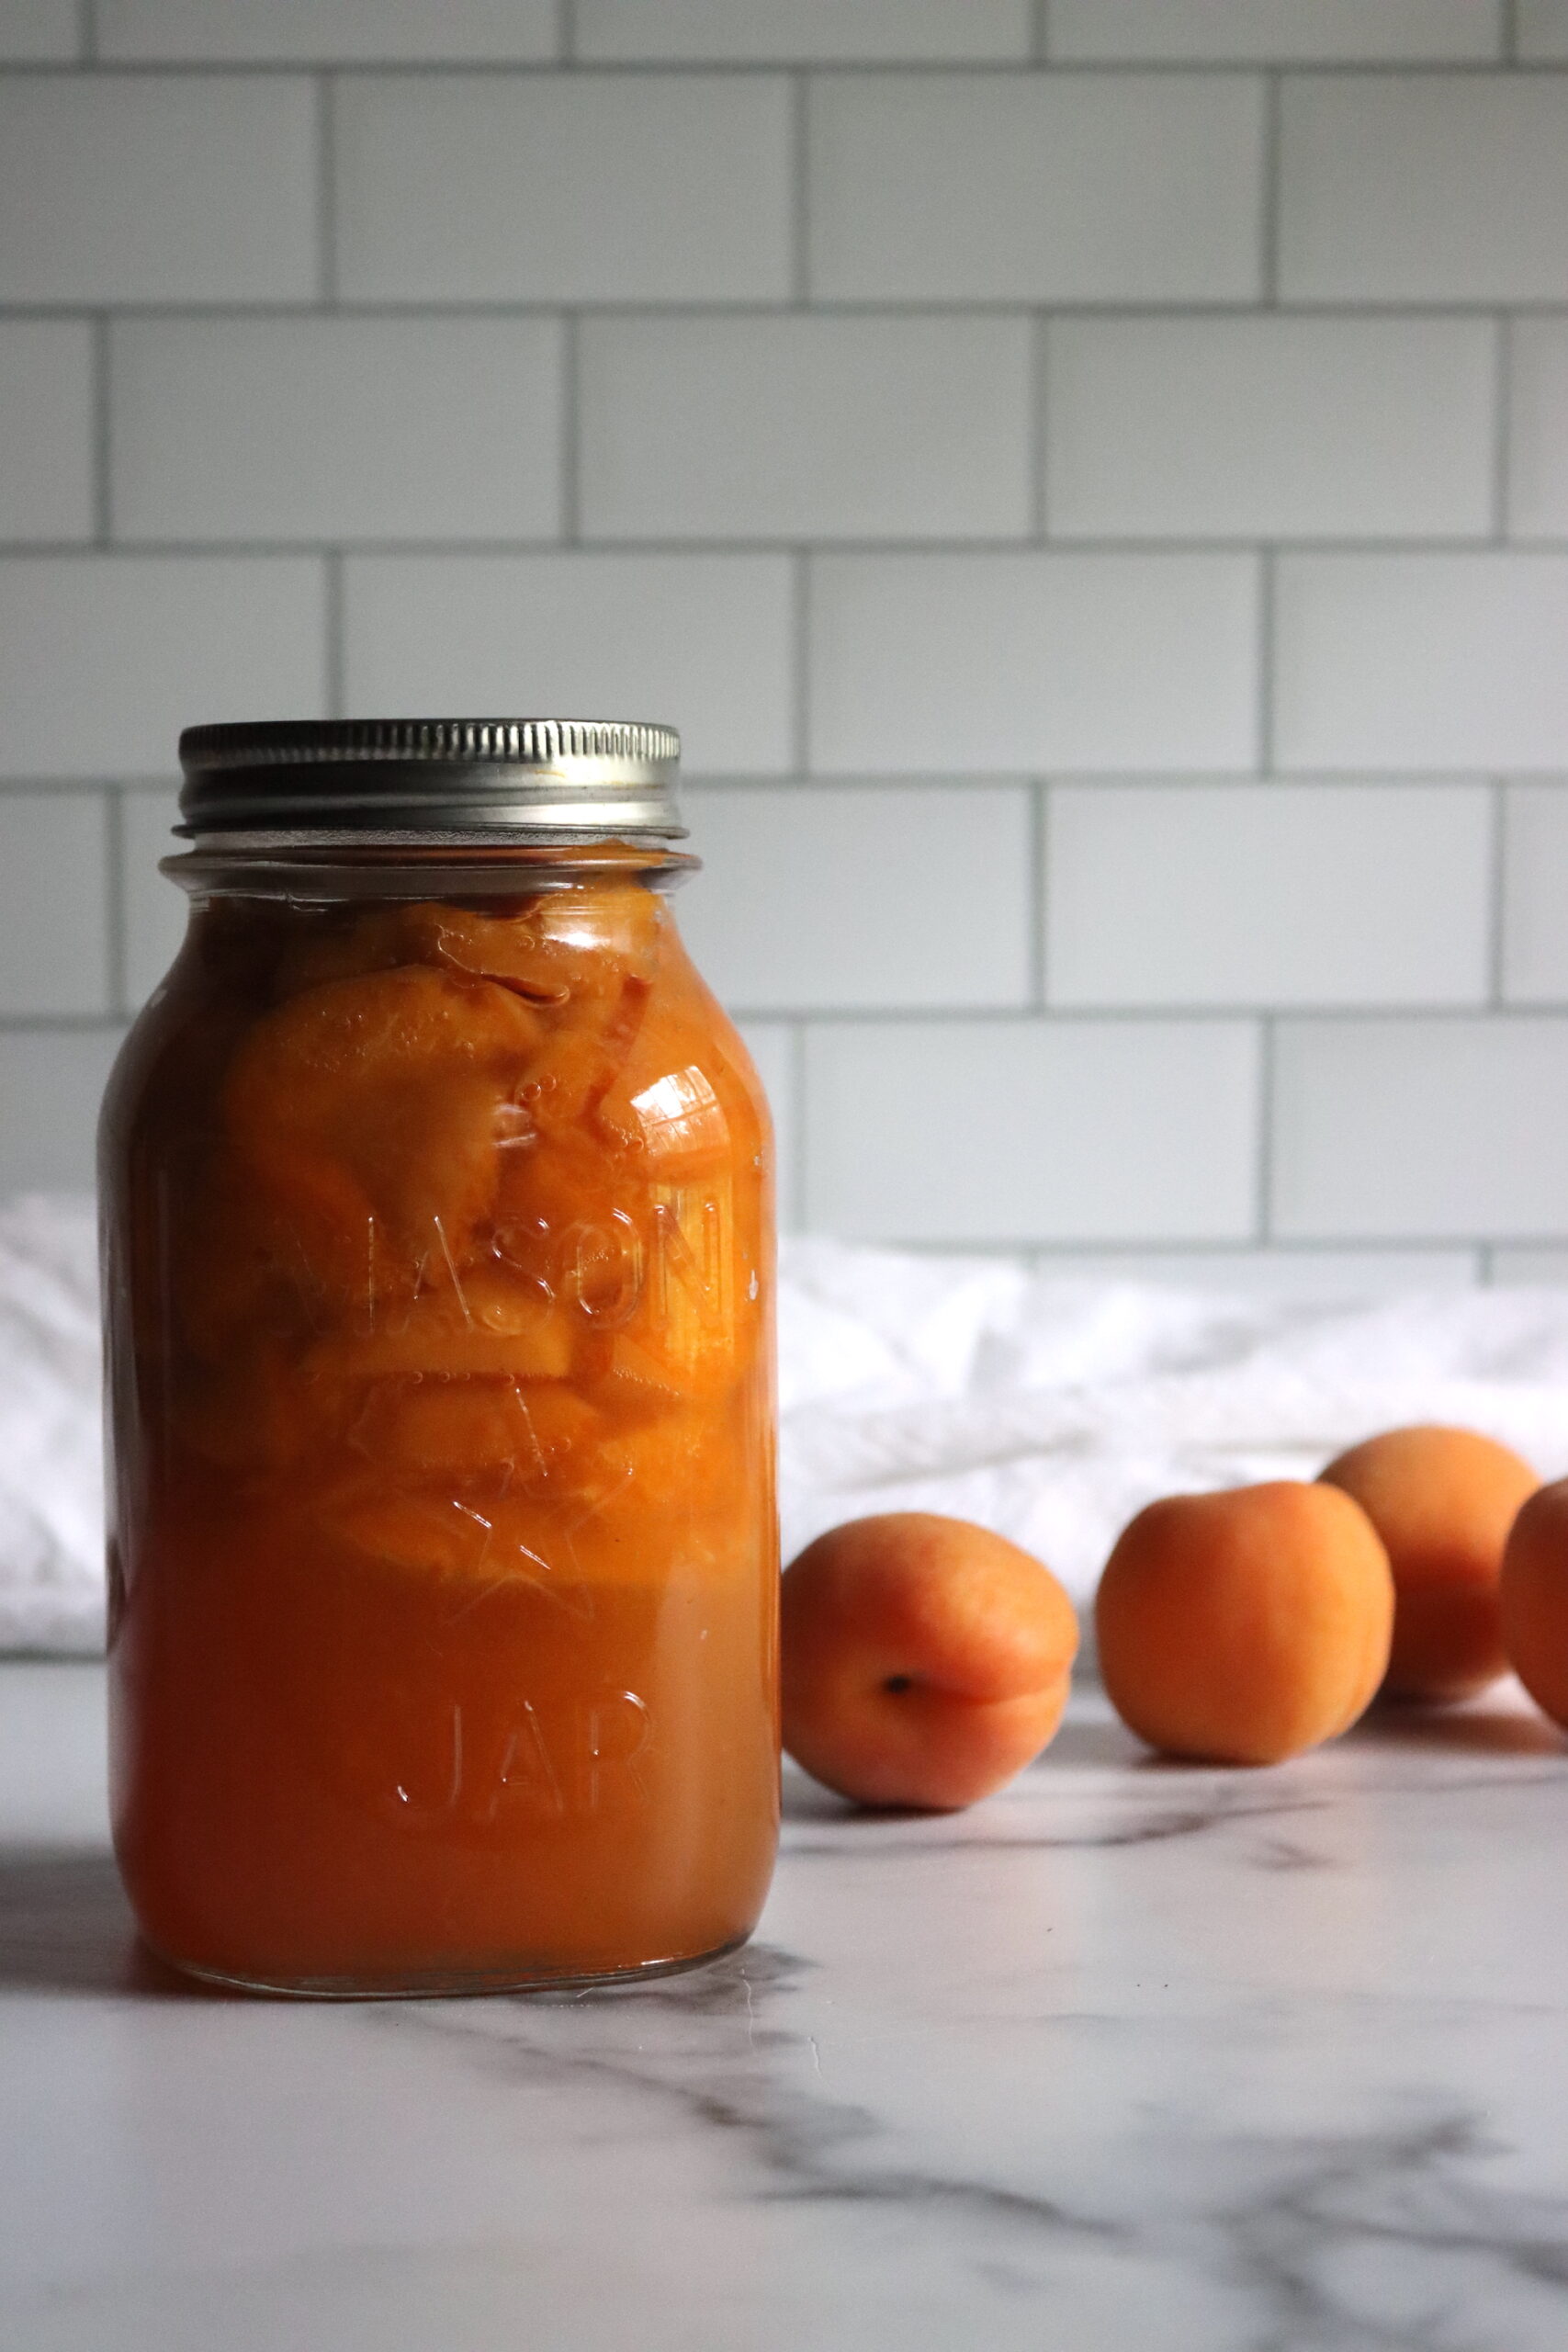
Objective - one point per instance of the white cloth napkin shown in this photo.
(51, 1513)
(1054, 1408)
(1050, 1408)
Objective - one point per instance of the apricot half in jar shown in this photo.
(925, 1660)
(371, 1113)
(1246, 1627)
(1443, 1501)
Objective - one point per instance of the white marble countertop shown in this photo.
(1132, 2057)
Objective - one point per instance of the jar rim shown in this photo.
(308, 866)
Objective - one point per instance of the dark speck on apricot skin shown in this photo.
(897, 1682)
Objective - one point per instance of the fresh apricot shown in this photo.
(1244, 1627)
(1442, 1500)
(925, 1660)
(1533, 1594)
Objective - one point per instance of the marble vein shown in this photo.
(1130, 2059)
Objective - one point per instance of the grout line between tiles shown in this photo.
(59, 787)
(1039, 398)
(67, 1024)
(1502, 423)
(102, 430)
(1497, 885)
(570, 430)
(522, 69)
(1040, 31)
(334, 655)
(1268, 226)
(743, 548)
(116, 919)
(1057, 1253)
(1039, 868)
(1306, 1247)
(1510, 32)
(1079, 1012)
(1267, 594)
(435, 305)
(87, 32)
(799, 1114)
(1166, 783)
(327, 190)
(566, 31)
(800, 671)
(1265, 1169)
(800, 191)
(1172, 781)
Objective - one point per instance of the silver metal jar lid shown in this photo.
(423, 776)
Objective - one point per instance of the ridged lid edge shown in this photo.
(518, 776)
(463, 743)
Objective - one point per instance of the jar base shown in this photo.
(451, 1985)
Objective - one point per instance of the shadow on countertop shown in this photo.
(1478, 1727)
(65, 1927)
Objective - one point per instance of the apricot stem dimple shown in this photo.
(924, 1660)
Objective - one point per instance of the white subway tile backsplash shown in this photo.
(1271, 894)
(326, 31)
(1430, 188)
(1326, 1274)
(772, 1046)
(323, 428)
(1273, 31)
(52, 1082)
(104, 659)
(154, 908)
(980, 663)
(1071, 426)
(1535, 893)
(1540, 31)
(863, 897)
(1442, 1129)
(704, 641)
(39, 31)
(1422, 661)
(1032, 1130)
(157, 187)
(1538, 430)
(572, 188)
(799, 427)
(53, 903)
(803, 32)
(1532, 1268)
(1271, 427)
(46, 426)
(1075, 188)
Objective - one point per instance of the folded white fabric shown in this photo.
(51, 1516)
(1051, 1409)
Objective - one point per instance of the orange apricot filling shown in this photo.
(445, 1566)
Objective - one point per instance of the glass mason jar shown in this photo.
(438, 1253)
